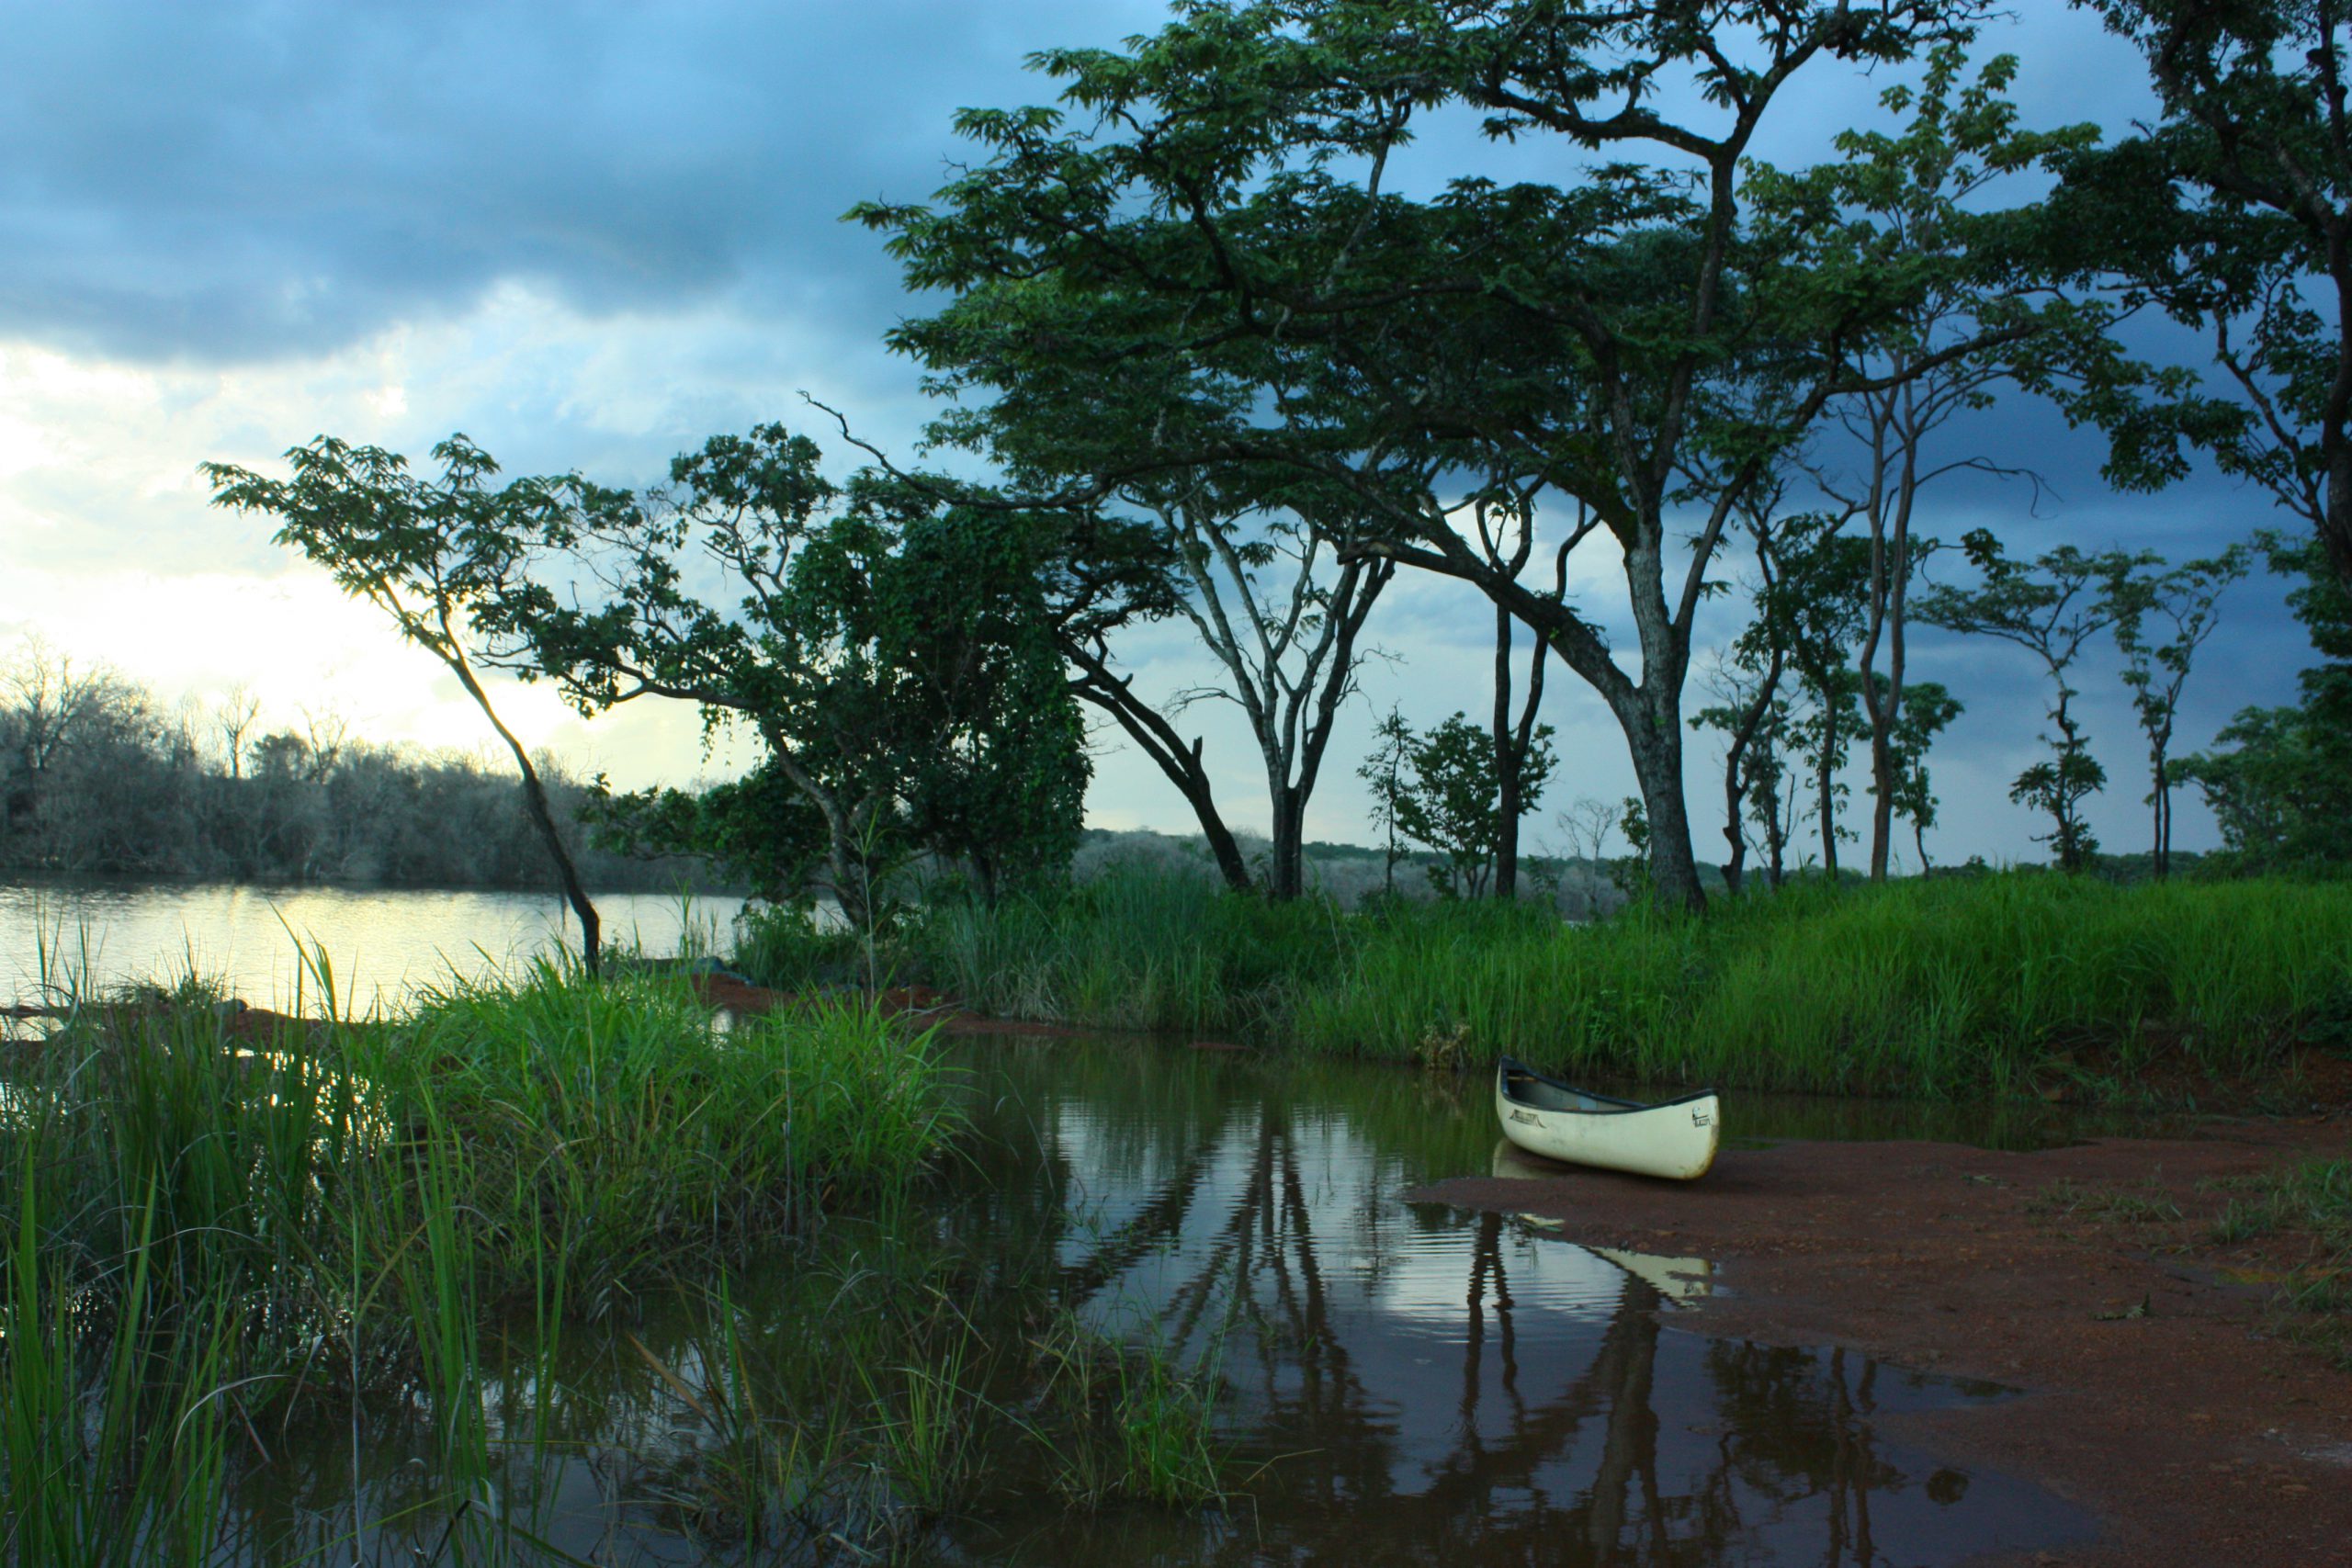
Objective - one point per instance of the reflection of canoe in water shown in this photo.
(1677, 1279)
(1675, 1138)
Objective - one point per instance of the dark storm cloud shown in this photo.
(239, 181)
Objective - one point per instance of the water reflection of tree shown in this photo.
(1203, 1199)
(1791, 1428)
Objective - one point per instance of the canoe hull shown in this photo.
(1676, 1141)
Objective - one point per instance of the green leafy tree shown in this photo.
(1815, 610)
(1251, 558)
(1383, 770)
(1453, 800)
(1928, 711)
(1200, 257)
(2161, 620)
(893, 651)
(440, 556)
(2232, 211)
(2279, 781)
(2052, 607)
(1927, 185)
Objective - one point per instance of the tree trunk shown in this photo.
(1180, 761)
(2337, 532)
(1286, 876)
(1824, 784)
(1513, 742)
(2163, 798)
(1776, 841)
(1507, 766)
(1890, 588)
(534, 797)
(1649, 712)
(1657, 766)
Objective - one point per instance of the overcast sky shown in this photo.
(591, 236)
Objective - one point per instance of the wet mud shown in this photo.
(2160, 1394)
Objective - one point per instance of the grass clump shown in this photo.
(212, 1234)
(2144, 1205)
(2312, 1200)
(620, 1127)
(1130, 1420)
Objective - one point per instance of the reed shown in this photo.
(1129, 1419)
(210, 1234)
(1947, 986)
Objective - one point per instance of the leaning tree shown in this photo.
(438, 555)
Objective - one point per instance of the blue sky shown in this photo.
(592, 235)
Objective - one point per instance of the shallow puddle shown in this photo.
(1397, 1383)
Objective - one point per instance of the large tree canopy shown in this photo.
(1199, 259)
(2234, 211)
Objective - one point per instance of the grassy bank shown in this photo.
(1949, 987)
(206, 1238)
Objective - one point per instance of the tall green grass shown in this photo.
(204, 1240)
(1925, 987)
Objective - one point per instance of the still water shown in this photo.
(1397, 1383)
(1401, 1385)
(381, 942)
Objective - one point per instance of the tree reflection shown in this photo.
(1407, 1384)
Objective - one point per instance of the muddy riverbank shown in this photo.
(2161, 1395)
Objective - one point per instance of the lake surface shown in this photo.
(381, 942)
(1401, 1385)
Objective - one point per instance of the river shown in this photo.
(381, 943)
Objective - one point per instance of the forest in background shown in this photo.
(100, 776)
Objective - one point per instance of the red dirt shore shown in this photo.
(2158, 1396)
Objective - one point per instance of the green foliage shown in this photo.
(2229, 210)
(2279, 783)
(1948, 986)
(2050, 606)
(442, 557)
(759, 832)
(892, 648)
(1451, 798)
(208, 1241)
(1928, 708)
(1196, 259)
(1133, 951)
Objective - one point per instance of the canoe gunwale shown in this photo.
(1508, 1066)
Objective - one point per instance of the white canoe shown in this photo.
(1675, 1139)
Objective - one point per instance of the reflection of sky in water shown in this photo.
(381, 941)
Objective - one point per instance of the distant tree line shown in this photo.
(98, 776)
